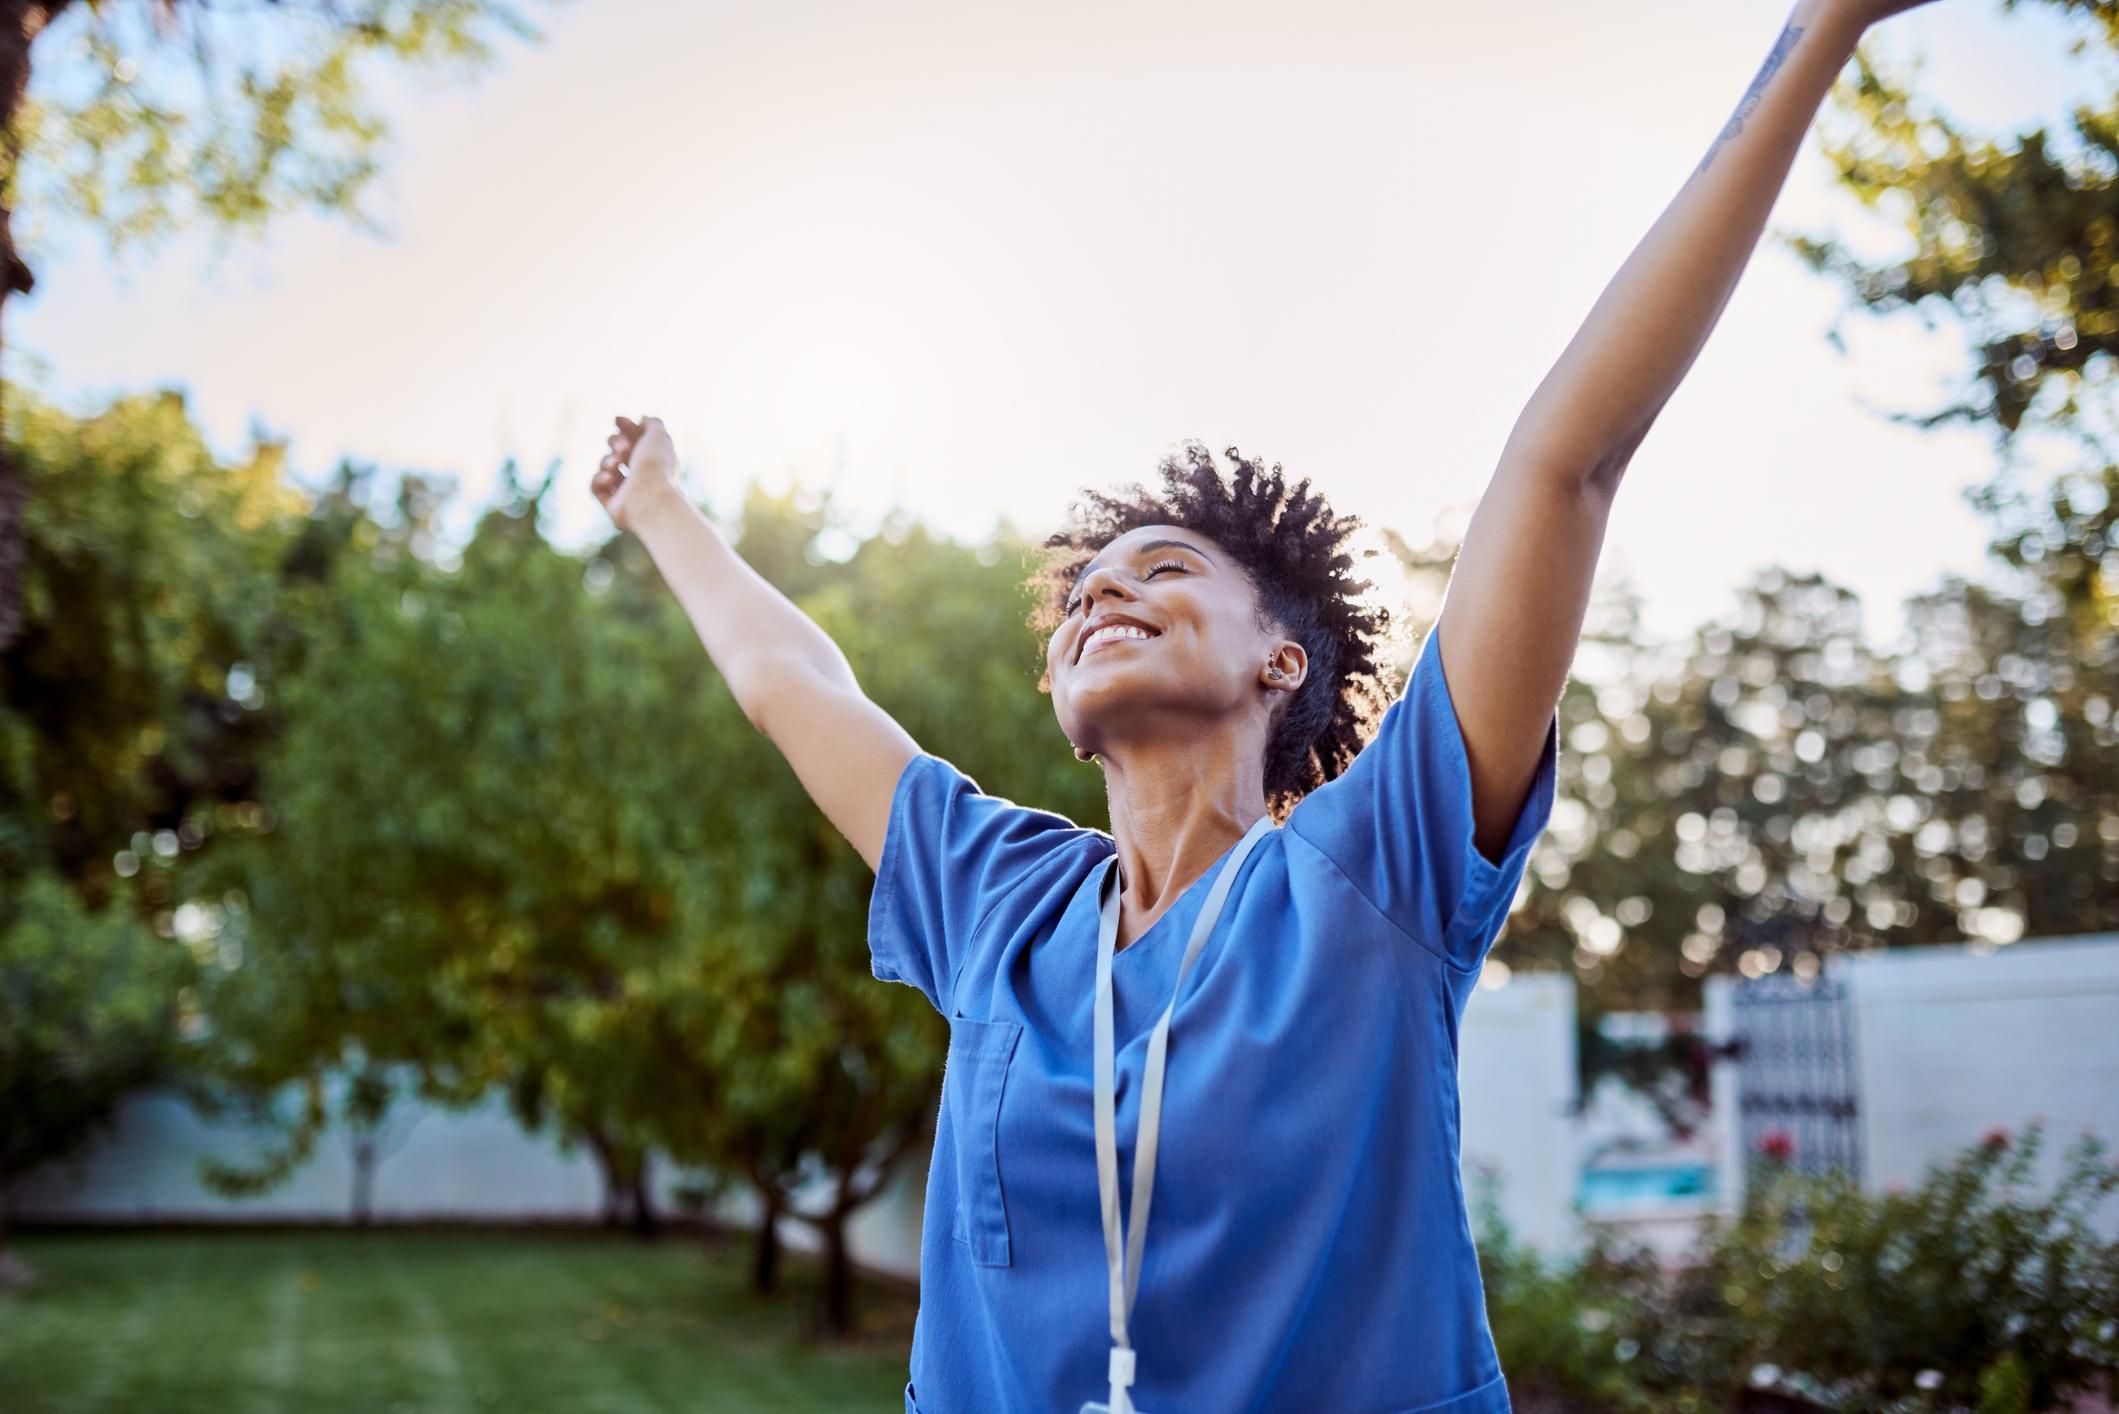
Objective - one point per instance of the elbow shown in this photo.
(1595, 471)
(1604, 473)
(1602, 478)
(774, 686)
(760, 685)
(1590, 485)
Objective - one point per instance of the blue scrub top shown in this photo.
(1309, 1246)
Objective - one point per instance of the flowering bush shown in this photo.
(1962, 1291)
(1965, 1291)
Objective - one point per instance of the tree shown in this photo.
(473, 830)
(151, 131)
(88, 1011)
(2015, 240)
(129, 723)
(1786, 790)
(2018, 242)
(821, 1078)
(135, 675)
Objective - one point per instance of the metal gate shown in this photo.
(1794, 1046)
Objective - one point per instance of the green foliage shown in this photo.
(483, 812)
(1566, 1329)
(1673, 1073)
(2005, 1387)
(1786, 791)
(2013, 238)
(1966, 1285)
(519, 835)
(149, 583)
(87, 1013)
(257, 118)
(1970, 1288)
(128, 725)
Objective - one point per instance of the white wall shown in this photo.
(474, 1165)
(1724, 1124)
(439, 1164)
(1517, 1078)
(1952, 1043)
(1517, 1056)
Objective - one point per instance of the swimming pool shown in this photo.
(1645, 1186)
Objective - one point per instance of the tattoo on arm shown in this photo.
(1750, 101)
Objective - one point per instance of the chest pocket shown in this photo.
(976, 1072)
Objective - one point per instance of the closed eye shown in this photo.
(1075, 602)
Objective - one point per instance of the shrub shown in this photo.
(1569, 1331)
(1965, 1291)
(1962, 1291)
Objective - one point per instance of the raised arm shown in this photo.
(791, 680)
(1513, 612)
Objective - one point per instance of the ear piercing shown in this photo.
(1274, 673)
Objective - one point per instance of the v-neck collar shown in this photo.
(1093, 886)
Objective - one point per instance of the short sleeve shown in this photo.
(1398, 822)
(950, 852)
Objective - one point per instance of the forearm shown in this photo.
(752, 631)
(1645, 331)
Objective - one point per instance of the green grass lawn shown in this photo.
(379, 1322)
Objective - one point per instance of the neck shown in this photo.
(1176, 807)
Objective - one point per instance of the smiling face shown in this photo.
(1162, 634)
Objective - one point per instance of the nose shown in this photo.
(1101, 580)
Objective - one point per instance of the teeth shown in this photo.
(1115, 631)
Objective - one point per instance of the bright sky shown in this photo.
(970, 257)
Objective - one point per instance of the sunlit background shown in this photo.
(373, 856)
(966, 258)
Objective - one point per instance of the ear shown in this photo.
(1294, 665)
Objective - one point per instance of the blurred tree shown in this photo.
(88, 1013)
(475, 829)
(825, 1078)
(2018, 818)
(2017, 239)
(2006, 818)
(168, 112)
(521, 836)
(135, 679)
(130, 719)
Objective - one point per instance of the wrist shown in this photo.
(661, 502)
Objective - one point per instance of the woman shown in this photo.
(1242, 1002)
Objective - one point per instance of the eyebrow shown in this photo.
(1141, 549)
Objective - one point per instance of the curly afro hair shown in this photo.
(1295, 553)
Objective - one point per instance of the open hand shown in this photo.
(641, 464)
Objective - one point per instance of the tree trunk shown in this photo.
(15, 1274)
(625, 1200)
(21, 21)
(364, 1181)
(838, 1276)
(613, 1190)
(646, 1225)
(765, 1269)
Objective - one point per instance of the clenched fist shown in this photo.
(641, 464)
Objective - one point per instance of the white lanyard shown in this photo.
(1125, 1266)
